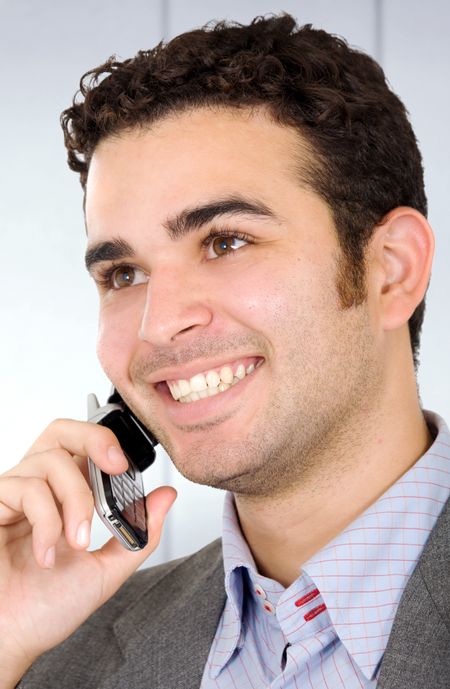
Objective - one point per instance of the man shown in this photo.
(256, 228)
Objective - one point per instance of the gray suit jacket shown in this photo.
(156, 632)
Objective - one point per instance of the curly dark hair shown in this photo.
(365, 156)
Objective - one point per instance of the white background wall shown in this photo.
(48, 305)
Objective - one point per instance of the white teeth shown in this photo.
(175, 390)
(198, 382)
(184, 387)
(226, 375)
(206, 385)
(213, 379)
(240, 372)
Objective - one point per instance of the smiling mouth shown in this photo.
(212, 382)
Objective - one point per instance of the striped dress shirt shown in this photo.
(330, 627)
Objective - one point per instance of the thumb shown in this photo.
(117, 562)
(159, 502)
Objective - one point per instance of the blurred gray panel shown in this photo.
(416, 57)
(45, 47)
(50, 44)
(353, 19)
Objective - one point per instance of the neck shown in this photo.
(284, 531)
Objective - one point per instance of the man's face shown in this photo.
(223, 261)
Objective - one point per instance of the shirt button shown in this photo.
(268, 607)
(260, 591)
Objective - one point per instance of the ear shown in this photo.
(401, 258)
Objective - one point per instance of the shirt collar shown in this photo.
(236, 556)
(362, 573)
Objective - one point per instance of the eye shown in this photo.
(126, 276)
(219, 245)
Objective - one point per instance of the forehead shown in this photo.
(184, 158)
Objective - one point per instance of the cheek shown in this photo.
(293, 305)
(272, 293)
(116, 341)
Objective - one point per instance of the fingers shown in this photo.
(70, 488)
(53, 475)
(15, 532)
(119, 563)
(83, 439)
(50, 489)
(33, 498)
(52, 479)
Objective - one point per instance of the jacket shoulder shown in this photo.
(150, 581)
(97, 649)
(418, 652)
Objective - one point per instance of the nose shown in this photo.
(175, 307)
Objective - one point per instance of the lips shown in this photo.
(204, 411)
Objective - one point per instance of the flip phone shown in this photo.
(120, 500)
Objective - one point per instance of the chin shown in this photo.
(224, 473)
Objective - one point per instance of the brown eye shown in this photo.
(222, 245)
(225, 245)
(126, 276)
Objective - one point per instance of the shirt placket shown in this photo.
(307, 628)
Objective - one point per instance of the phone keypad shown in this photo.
(130, 499)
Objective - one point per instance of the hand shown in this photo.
(49, 582)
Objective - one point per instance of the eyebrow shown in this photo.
(193, 219)
(112, 250)
(188, 220)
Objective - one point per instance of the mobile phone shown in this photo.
(120, 500)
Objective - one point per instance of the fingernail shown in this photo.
(49, 559)
(83, 534)
(116, 455)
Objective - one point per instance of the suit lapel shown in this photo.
(166, 637)
(418, 652)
